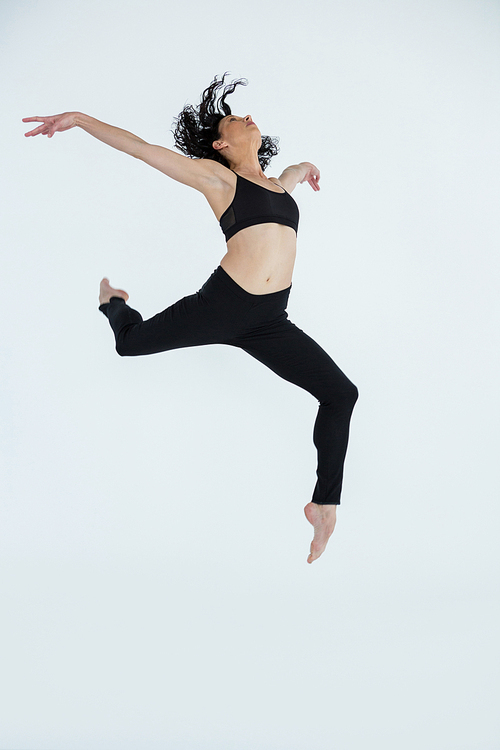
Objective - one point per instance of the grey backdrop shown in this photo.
(155, 591)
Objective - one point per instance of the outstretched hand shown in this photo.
(52, 124)
(312, 175)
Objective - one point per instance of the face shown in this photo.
(235, 130)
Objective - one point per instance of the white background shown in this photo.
(154, 586)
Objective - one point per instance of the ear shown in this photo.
(218, 145)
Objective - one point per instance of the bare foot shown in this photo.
(323, 518)
(106, 292)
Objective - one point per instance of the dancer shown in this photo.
(243, 303)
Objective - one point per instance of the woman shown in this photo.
(244, 301)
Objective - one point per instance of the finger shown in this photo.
(34, 119)
(37, 131)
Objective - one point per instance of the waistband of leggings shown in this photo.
(219, 273)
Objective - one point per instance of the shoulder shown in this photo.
(290, 177)
(217, 176)
(218, 186)
(215, 171)
(217, 179)
(201, 174)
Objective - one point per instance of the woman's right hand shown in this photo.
(52, 124)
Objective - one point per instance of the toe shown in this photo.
(316, 550)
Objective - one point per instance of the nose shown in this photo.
(247, 118)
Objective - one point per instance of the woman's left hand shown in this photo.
(311, 174)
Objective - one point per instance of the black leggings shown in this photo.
(222, 312)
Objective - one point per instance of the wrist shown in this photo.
(304, 168)
(79, 119)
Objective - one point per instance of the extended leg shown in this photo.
(294, 356)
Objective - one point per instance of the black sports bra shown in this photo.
(255, 204)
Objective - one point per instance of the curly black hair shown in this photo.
(196, 129)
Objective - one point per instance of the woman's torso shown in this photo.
(260, 258)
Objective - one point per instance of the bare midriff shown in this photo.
(261, 258)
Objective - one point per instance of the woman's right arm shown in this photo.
(197, 173)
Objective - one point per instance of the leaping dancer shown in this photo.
(243, 303)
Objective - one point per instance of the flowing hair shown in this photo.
(197, 128)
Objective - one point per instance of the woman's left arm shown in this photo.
(303, 172)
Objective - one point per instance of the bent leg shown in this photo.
(296, 357)
(183, 324)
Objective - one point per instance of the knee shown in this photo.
(342, 398)
(353, 394)
(123, 348)
(349, 396)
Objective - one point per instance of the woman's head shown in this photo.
(196, 130)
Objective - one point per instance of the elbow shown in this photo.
(139, 149)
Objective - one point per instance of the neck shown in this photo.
(246, 164)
